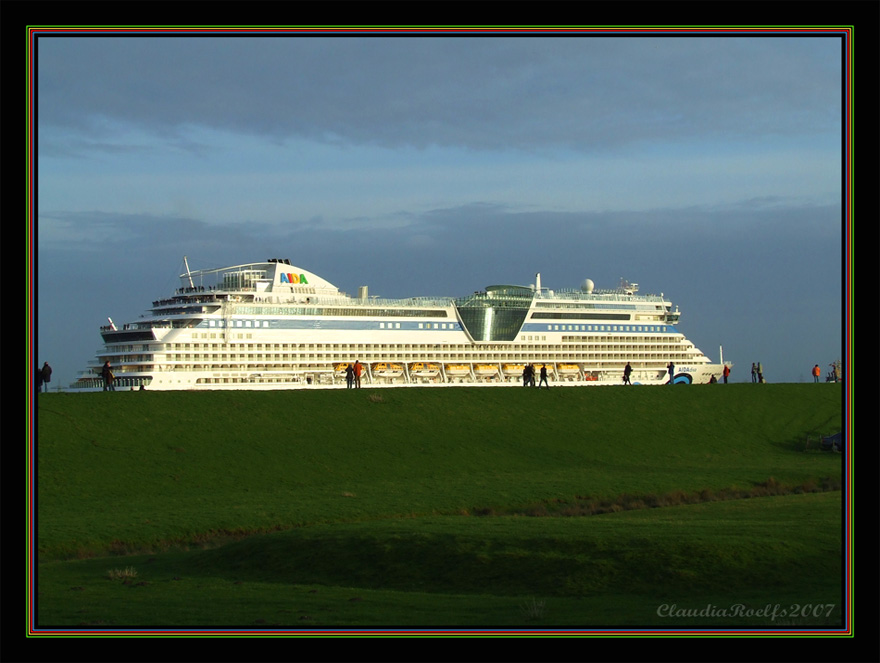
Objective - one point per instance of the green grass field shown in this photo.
(466, 507)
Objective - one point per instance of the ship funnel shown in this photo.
(538, 283)
(363, 292)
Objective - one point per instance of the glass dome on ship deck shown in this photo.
(496, 314)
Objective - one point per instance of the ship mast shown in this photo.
(188, 275)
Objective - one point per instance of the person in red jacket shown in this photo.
(726, 372)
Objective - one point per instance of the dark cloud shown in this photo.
(484, 93)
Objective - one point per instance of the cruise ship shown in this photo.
(273, 325)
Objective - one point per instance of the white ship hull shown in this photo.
(275, 326)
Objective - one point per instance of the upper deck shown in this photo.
(278, 288)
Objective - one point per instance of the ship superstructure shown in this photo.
(272, 325)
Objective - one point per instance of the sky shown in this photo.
(705, 168)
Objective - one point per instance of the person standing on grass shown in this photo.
(816, 373)
(671, 368)
(544, 378)
(357, 374)
(627, 371)
(349, 376)
(107, 375)
(46, 375)
(760, 373)
(726, 372)
(754, 373)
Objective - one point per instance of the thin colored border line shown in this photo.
(846, 31)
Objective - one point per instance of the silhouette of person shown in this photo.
(544, 378)
(46, 375)
(107, 375)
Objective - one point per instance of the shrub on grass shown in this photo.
(586, 506)
(808, 486)
(707, 495)
(533, 609)
(769, 487)
(122, 574)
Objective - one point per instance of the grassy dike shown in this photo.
(466, 506)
